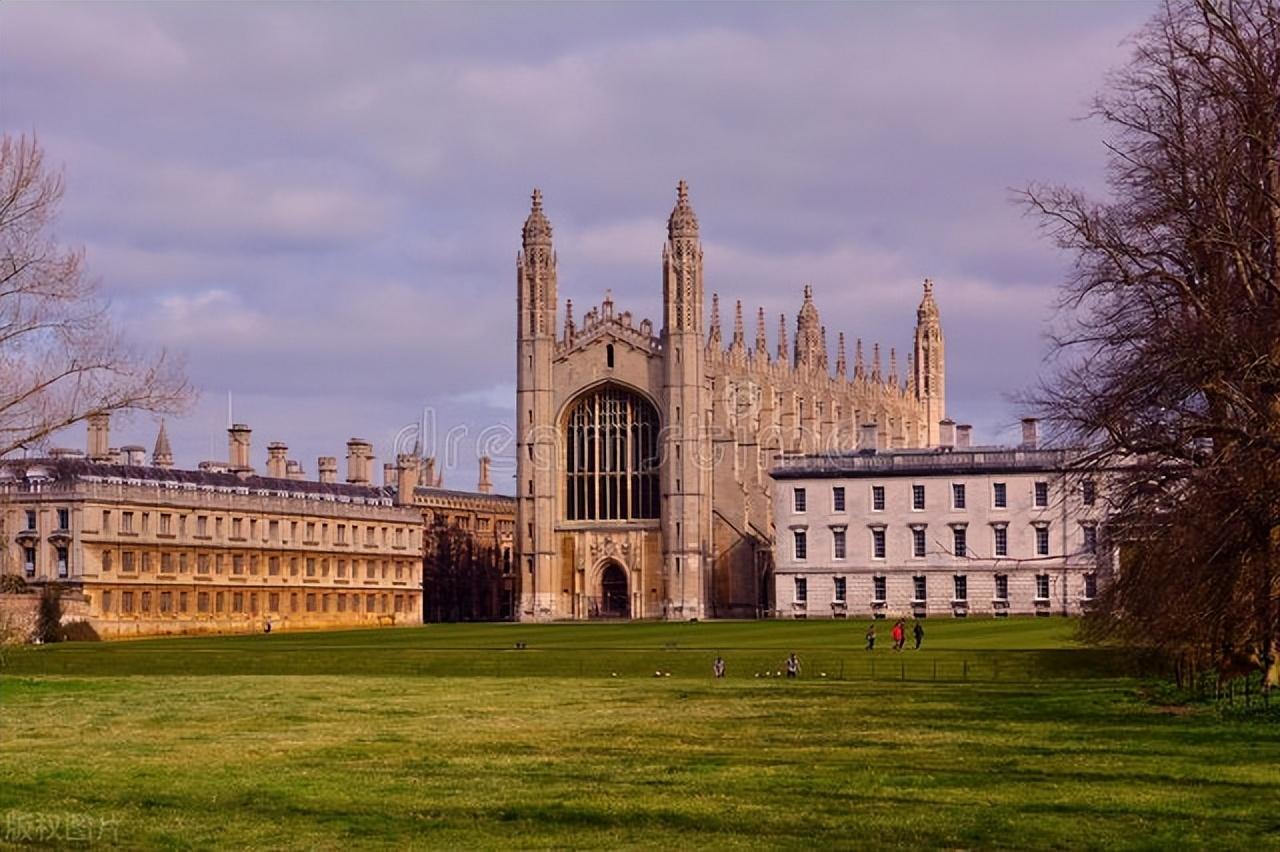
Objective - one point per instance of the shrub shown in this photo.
(49, 615)
(12, 584)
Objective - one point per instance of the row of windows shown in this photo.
(308, 532)
(920, 541)
(63, 517)
(164, 602)
(920, 588)
(62, 561)
(959, 496)
(252, 564)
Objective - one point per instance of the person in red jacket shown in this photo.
(899, 636)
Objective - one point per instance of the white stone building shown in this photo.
(952, 531)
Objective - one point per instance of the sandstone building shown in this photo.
(146, 548)
(643, 451)
(951, 531)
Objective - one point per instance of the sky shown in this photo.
(318, 207)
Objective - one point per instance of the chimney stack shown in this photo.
(1030, 433)
(868, 436)
(964, 436)
(327, 469)
(947, 433)
(406, 472)
(277, 460)
(99, 445)
(238, 447)
(429, 472)
(359, 462)
(293, 469)
(390, 477)
(133, 455)
(484, 486)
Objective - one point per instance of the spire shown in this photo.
(875, 364)
(893, 366)
(782, 338)
(823, 360)
(162, 455)
(713, 333)
(859, 368)
(739, 339)
(928, 309)
(841, 365)
(537, 230)
(762, 342)
(569, 328)
(683, 222)
(809, 350)
(911, 374)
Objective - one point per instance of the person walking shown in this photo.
(899, 636)
(717, 668)
(918, 633)
(793, 666)
(871, 638)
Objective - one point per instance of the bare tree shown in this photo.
(1168, 362)
(61, 360)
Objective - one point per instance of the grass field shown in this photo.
(446, 735)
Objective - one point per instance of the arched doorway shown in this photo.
(614, 599)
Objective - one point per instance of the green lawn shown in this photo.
(448, 736)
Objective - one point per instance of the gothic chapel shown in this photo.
(643, 487)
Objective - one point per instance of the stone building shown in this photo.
(149, 548)
(643, 451)
(951, 531)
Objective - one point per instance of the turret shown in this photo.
(810, 352)
(930, 373)
(162, 455)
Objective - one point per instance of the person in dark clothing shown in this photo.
(793, 666)
(918, 632)
(871, 638)
(717, 668)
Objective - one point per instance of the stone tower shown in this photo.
(929, 380)
(162, 454)
(536, 439)
(685, 473)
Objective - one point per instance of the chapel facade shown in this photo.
(643, 451)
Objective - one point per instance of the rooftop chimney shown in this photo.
(868, 436)
(484, 486)
(293, 469)
(406, 478)
(238, 446)
(390, 478)
(964, 436)
(429, 472)
(947, 433)
(327, 469)
(1030, 433)
(134, 455)
(359, 462)
(99, 445)
(277, 460)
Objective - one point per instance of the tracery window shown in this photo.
(611, 457)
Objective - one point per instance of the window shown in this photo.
(838, 594)
(802, 590)
(879, 592)
(311, 531)
(962, 587)
(918, 543)
(1042, 495)
(957, 495)
(126, 522)
(1090, 585)
(1042, 587)
(802, 545)
(202, 601)
(798, 499)
(838, 544)
(917, 498)
(273, 567)
(999, 495)
(959, 541)
(1001, 541)
(273, 601)
(105, 606)
(146, 601)
(608, 356)
(202, 565)
(237, 601)
(1042, 541)
(237, 528)
(920, 588)
(166, 601)
(877, 498)
(1090, 538)
(64, 519)
(1002, 587)
(31, 519)
(126, 561)
(29, 561)
(877, 543)
(202, 525)
(237, 564)
(166, 523)
(611, 457)
(311, 567)
(166, 563)
(837, 498)
(1088, 492)
(126, 601)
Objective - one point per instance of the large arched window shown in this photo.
(611, 457)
